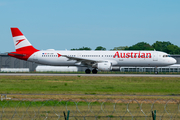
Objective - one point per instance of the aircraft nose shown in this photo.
(173, 61)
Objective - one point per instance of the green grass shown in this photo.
(43, 109)
(50, 109)
(89, 85)
(14, 103)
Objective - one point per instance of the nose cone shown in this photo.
(173, 61)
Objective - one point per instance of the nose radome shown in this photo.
(174, 61)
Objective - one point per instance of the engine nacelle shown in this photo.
(104, 66)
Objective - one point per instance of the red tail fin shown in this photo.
(22, 45)
(20, 41)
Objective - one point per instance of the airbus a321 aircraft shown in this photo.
(97, 60)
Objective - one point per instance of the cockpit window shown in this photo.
(166, 56)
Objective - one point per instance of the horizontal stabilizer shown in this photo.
(17, 54)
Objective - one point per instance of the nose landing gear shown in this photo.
(156, 70)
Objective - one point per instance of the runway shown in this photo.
(94, 75)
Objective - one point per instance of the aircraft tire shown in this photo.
(87, 71)
(94, 71)
(156, 72)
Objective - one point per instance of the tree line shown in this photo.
(167, 47)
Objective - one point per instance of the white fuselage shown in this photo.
(116, 58)
(99, 60)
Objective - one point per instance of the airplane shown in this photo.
(97, 60)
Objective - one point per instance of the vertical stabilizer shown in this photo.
(20, 41)
(23, 47)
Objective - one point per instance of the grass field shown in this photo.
(89, 85)
(86, 90)
(54, 109)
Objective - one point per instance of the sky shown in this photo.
(67, 24)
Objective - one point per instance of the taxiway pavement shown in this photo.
(103, 75)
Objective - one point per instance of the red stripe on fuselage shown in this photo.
(27, 51)
(16, 32)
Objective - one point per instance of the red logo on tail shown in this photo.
(18, 41)
(59, 55)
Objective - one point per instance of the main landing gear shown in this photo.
(94, 71)
(88, 71)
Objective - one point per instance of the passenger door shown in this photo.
(155, 56)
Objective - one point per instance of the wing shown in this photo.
(84, 61)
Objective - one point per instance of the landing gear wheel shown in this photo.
(87, 71)
(156, 72)
(94, 71)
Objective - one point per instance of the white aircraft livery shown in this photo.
(95, 60)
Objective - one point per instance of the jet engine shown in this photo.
(104, 66)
